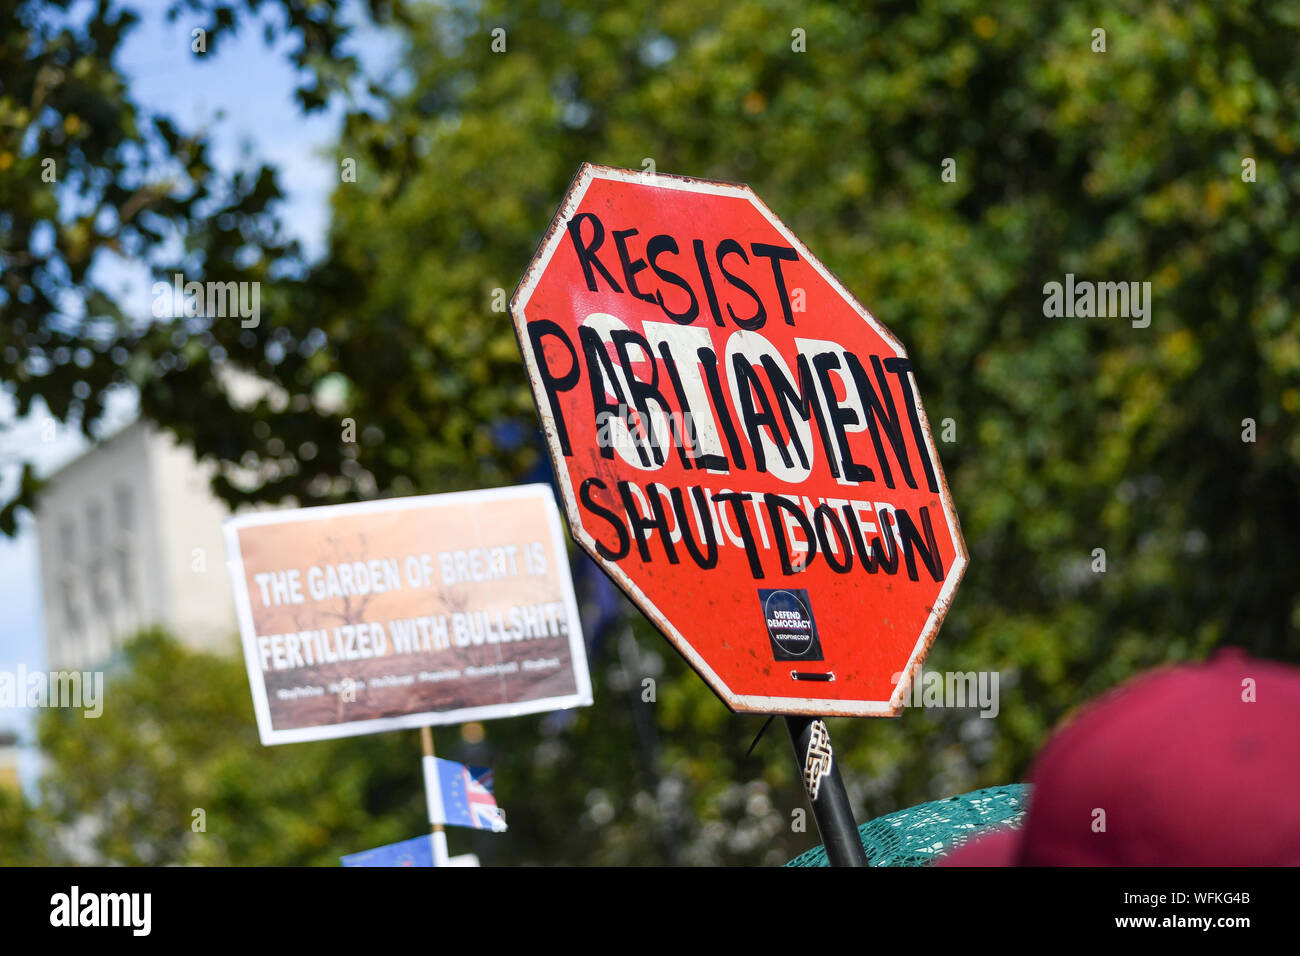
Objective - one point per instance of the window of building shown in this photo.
(124, 506)
(97, 558)
(68, 576)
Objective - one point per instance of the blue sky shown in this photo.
(243, 95)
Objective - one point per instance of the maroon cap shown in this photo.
(1191, 765)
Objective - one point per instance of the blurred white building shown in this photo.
(130, 537)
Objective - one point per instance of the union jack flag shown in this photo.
(467, 798)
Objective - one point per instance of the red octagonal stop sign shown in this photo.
(739, 443)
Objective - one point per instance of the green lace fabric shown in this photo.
(921, 834)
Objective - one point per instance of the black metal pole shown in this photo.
(830, 803)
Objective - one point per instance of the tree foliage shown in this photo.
(87, 176)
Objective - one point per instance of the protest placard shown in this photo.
(406, 612)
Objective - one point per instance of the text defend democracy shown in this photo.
(790, 411)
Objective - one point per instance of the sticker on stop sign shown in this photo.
(739, 443)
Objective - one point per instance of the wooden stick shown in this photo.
(433, 798)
